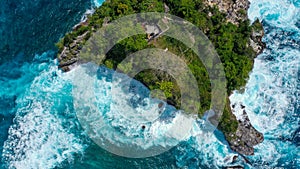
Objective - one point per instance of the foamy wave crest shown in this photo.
(41, 136)
(284, 13)
(271, 88)
(206, 149)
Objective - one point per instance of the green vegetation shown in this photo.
(230, 41)
(166, 87)
(228, 122)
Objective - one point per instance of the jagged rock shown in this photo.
(68, 62)
(256, 38)
(152, 30)
(246, 135)
(74, 52)
(81, 37)
(72, 45)
(62, 55)
(167, 9)
(235, 10)
(69, 55)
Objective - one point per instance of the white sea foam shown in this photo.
(270, 89)
(270, 95)
(123, 113)
(39, 137)
(98, 3)
(212, 151)
(281, 13)
(127, 116)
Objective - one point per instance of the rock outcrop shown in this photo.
(235, 10)
(256, 37)
(69, 56)
(246, 136)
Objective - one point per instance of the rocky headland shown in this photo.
(240, 134)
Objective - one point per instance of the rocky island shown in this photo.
(227, 26)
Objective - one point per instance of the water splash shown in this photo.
(273, 88)
(44, 131)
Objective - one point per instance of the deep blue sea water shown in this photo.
(38, 123)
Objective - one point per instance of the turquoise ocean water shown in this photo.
(38, 122)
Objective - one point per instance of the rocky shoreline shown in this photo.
(246, 133)
(246, 136)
